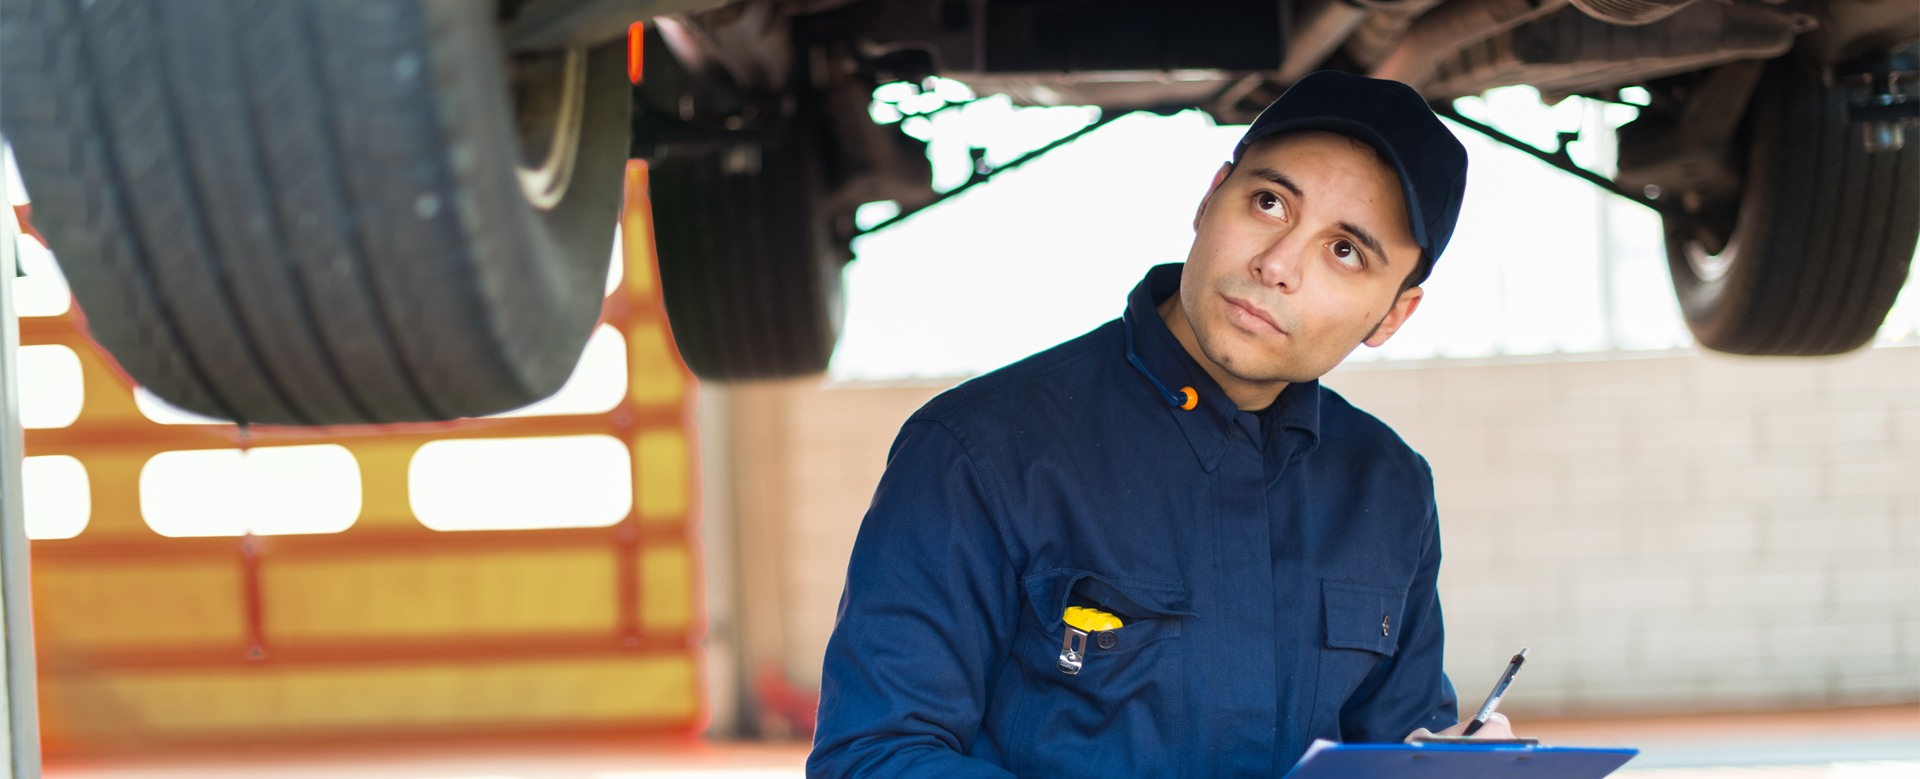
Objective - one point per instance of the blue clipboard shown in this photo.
(1328, 760)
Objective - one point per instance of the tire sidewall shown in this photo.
(540, 274)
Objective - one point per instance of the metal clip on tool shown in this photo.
(1080, 622)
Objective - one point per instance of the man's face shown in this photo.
(1298, 257)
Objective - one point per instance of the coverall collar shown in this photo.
(1168, 369)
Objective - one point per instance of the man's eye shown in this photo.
(1270, 203)
(1344, 251)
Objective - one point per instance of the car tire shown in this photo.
(749, 264)
(312, 212)
(1824, 234)
(751, 287)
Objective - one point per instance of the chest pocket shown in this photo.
(1136, 601)
(1361, 616)
(1358, 617)
(1130, 691)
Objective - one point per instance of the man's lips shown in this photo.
(1250, 316)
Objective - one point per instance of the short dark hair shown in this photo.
(1418, 275)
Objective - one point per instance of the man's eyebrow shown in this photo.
(1367, 240)
(1278, 178)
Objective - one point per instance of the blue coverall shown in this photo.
(1275, 573)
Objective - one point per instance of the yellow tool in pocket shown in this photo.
(1080, 623)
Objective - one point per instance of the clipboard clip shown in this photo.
(1510, 742)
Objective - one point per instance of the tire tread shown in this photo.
(1826, 232)
(305, 211)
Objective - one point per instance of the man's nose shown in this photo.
(1281, 262)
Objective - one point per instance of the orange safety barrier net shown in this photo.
(387, 630)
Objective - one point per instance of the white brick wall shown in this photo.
(1668, 533)
(1672, 532)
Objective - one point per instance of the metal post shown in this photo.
(22, 745)
(1594, 126)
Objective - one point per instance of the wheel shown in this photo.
(319, 211)
(1824, 233)
(751, 290)
(749, 265)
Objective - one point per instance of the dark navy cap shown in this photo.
(1396, 120)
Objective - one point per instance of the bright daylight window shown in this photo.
(271, 490)
(58, 496)
(521, 483)
(52, 386)
(1541, 261)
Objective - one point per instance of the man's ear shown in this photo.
(1218, 177)
(1402, 308)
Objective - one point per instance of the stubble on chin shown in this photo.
(1243, 360)
(1246, 360)
(1244, 357)
(1244, 368)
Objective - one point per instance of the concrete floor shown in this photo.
(1881, 742)
(1862, 743)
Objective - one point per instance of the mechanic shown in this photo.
(1257, 557)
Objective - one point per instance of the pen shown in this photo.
(1499, 689)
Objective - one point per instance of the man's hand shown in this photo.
(1496, 727)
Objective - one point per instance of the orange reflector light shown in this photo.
(636, 44)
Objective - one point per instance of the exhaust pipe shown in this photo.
(1631, 13)
(1452, 27)
(1322, 27)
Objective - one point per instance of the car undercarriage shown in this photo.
(322, 213)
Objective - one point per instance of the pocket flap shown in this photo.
(1362, 616)
(1048, 592)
